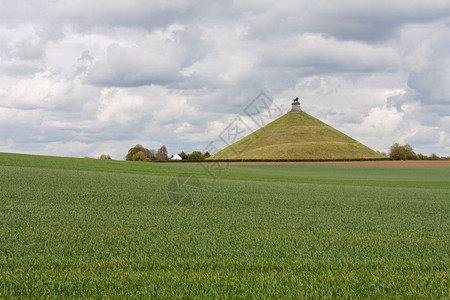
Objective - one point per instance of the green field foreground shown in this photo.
(84, 228)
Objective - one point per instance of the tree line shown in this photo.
(406, 152)
(194, 155)
(140, 153)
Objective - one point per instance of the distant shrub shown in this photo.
(140, 156)
(433, 156)
(195, 155)
(104, 157)
(402, 152)
(421, 156)
(149, 154)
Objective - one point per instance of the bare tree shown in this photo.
(161, 154)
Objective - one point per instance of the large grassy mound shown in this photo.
(297, 136)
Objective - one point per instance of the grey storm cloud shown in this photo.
(429, 86)
(429, 137)
(373, 21)
(85, 77)
(85, 15)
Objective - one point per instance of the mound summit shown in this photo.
(297, 135)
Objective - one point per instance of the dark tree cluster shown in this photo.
(402, 152)
(140, 153)
(405, 152)
(195, 155)
(104, 157)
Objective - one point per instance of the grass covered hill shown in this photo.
(297, 136)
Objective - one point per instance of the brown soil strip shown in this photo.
(385, 163)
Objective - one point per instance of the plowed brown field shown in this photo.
(387, 163)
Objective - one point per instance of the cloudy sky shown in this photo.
(89, 77)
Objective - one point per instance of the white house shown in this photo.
(176, 157)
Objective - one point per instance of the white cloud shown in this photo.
(42, 91)
(93, 76)
(383, 120)
(116, 106)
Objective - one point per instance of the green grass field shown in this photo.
(107, 229)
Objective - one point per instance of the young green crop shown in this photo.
(90, 228)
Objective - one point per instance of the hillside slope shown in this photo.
(296, 136)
